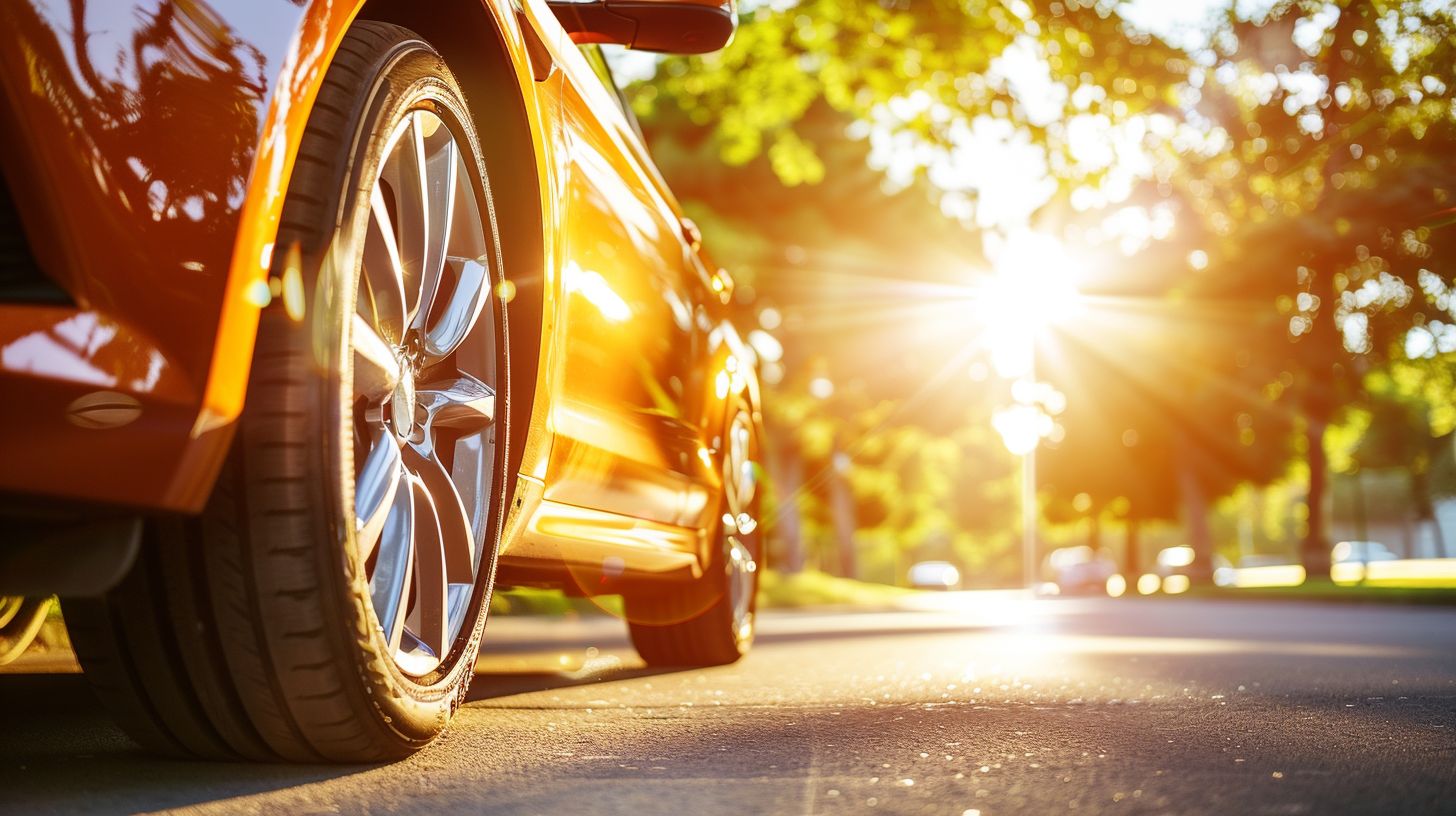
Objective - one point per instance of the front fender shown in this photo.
(150, 147)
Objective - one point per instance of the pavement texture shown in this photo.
(973, 704)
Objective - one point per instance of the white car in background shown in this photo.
(939, 575)
(1078, 570)
(1361, 552)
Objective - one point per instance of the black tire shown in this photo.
(249, 632)
(670, 628)
(694, 623)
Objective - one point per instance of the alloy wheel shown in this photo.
(740, 520)
(424, 348)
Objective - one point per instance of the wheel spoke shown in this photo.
(389, 586)
(383, 270)
(462, 310)
(466, 404)
(376, 368)
(440, 164)
(740, 474)
(457, 540)
(471, 467)
(400, 211)
(427, 618)
(375, 491)
(747, 483)
(469, 258)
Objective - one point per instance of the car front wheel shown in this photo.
(329, 603)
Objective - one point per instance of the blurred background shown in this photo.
(1087, 292)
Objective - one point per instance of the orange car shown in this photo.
(319, 319)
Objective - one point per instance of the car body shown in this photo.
(150, 150)
(135, 363)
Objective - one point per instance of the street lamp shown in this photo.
(1022, 426)
(1033, 288)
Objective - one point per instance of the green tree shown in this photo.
(1308, 140)
(1331, 193)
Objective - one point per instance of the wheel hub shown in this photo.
(402, 401)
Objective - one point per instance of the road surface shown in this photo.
(975, 704)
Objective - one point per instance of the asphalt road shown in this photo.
(988, 704)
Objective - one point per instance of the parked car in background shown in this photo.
(328, 318)
(1080, 570)
(941, 575)
(1361, 552)
(1351, 560)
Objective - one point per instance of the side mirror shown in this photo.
(666, 26)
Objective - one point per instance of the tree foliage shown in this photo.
(1300, 148)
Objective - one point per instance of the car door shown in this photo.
(623, 407)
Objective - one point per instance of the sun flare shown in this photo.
(1033, 287)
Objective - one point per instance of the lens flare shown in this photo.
(1116, 586)
(1034, 287)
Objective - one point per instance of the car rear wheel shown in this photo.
(329, 603)
(710, 621)
(20, 622)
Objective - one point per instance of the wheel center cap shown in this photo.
(402, 401)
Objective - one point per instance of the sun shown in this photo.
(1033, 287)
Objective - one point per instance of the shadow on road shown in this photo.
(494, 682)
(57, 734)
(494, 685)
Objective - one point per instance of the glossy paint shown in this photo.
(149, 145)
